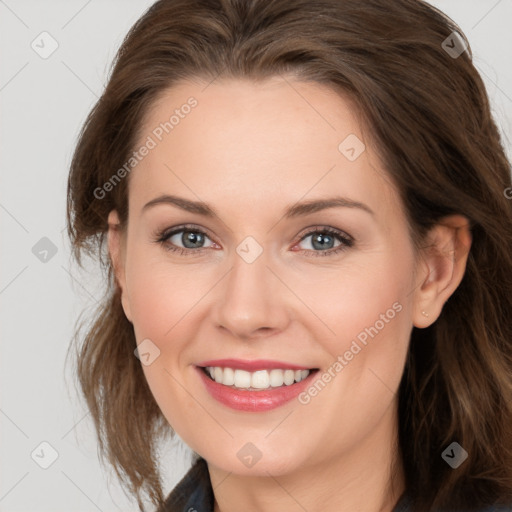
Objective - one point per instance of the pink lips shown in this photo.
(253, 401)
(252, 366)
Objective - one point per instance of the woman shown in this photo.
(237, 141)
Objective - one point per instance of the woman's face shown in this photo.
(266, 277)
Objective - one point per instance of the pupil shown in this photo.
(193, 238)
(320, 239)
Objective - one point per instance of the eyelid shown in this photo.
(166, 233)
(324, 229)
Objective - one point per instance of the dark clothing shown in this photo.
(194, 494)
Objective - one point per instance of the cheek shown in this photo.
(364, 299)
(151, 304)
(158, 292)
(161, 298)
(368, 311)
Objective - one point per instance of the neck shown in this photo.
(359, 479)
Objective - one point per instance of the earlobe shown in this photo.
(443, 264)
(116, 253)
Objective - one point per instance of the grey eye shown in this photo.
(190, 239)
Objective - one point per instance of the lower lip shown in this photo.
(254, 401)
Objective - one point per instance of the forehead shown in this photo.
(273, 141)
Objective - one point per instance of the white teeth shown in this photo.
(242, 379)
(261, 379)
(289, 377)
(228, 378)
(276, 378)
(217, 374)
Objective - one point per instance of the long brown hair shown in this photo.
(428, 114)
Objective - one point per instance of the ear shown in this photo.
(117, 252)
(441, 268)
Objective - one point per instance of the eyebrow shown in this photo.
(295, 210)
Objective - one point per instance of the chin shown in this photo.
(247, 461)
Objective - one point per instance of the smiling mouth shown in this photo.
(259, 380)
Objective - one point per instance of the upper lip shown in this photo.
(252, 365)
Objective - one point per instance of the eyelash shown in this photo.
(162, 237)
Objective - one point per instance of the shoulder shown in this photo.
(193, 492)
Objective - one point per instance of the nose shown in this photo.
(252, 302)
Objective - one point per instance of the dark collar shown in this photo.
(193, 493)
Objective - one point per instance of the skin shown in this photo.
(250, 150)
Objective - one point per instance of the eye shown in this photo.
(323, 241)
(192, 240)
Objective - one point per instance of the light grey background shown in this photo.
(43, 104)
